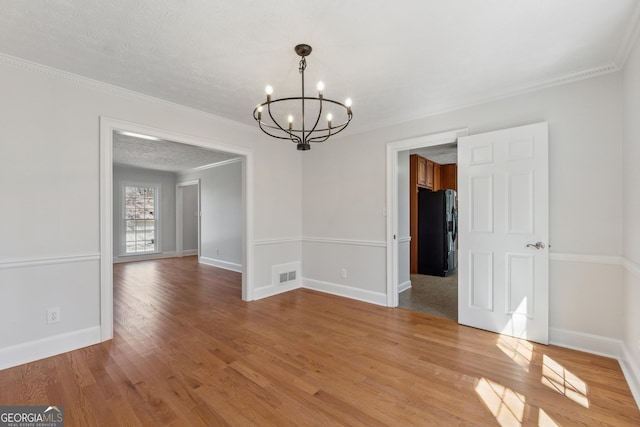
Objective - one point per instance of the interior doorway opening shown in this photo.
(401, 277)
(242, 161)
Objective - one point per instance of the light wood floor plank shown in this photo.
(188, 351)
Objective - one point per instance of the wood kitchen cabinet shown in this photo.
(449, 177)
(424, 171)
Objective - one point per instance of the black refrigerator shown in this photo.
(437, 232)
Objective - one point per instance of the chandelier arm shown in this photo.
(313, 129)
(294, 138)
(339, 128)
(278, 124)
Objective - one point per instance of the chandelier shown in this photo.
(297, 130)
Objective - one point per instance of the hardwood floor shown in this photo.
(187, 351)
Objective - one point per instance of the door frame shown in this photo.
(107, 127)
(179, 214)
(393, 148)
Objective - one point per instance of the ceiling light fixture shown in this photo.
(138, 135)
(298, 131)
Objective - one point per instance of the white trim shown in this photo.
(370, 243)
(212, 165)
(271, 290)
(189, 252)
(632, 267)
(50, 346)
(631, 372)
(590, 343)
(35, 262)
(372, 297)
(404, 286)
(404, 239)
(598, 71)
(265, 242)
(591, 259)
(601, 346)
(144, 257)
(392, 150)
(107, 127)
(232, 266)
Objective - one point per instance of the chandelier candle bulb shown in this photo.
(309, 129)
(268, 90)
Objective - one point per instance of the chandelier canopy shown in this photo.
(297, 130)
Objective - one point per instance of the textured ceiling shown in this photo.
(396, 60)
(162, 155)
(443, 154)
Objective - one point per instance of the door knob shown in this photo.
(538, 245)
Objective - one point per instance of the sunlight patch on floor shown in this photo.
(557, 378)
(520, 351)
(506, 405)
(544, 420)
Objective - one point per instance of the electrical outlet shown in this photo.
(53, 315)
(217, 251)
(343, 273)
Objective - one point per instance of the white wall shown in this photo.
(166, 181)
(631, 209)
(221, 231)
(49, 177)
(344, 183)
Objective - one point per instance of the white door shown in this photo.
(503, 265)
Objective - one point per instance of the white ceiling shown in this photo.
(442, 154)
(396, 60)
(163, 155)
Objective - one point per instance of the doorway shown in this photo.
(188, 218)
(107, 128)
(432, 287)
(398, 234)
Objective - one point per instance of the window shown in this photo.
(140, 219)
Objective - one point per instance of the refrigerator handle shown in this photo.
(454, 214)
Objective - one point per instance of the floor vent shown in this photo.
(285, 274)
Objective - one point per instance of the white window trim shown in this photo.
(123, 215)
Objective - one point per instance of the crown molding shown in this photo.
(107, 87)
(542, 84)
(211, 165)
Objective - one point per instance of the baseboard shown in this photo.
(631, 371)
(589, 343)
(377, 298)
(47, 347)
(221, 264)
(601, 346)
(271, 290)
(146, 257)
(404, 286)
(189, 252)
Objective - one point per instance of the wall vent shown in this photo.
(285, 274)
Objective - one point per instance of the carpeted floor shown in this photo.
(433, 295)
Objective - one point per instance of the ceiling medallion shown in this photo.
(297, 130)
